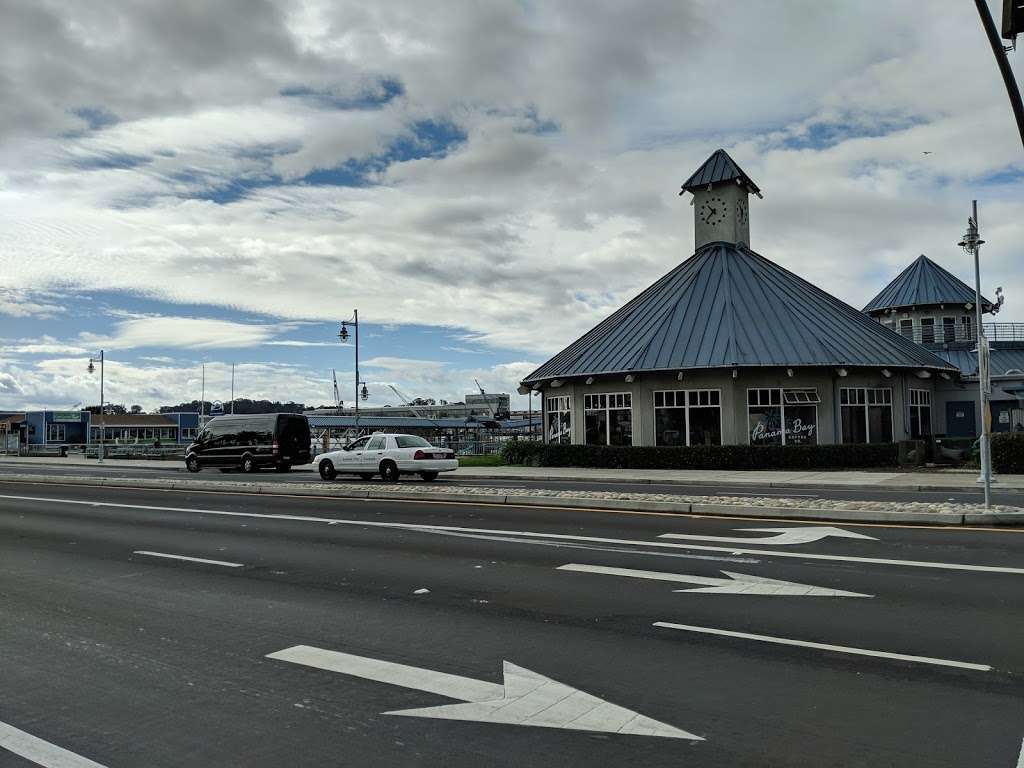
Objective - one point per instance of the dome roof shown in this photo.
(727, 306)
(924, 284)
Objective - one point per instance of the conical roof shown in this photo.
(727, 306)
(924, 283)
(718, 168)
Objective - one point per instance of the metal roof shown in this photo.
(1001, 359)
(727, 306)
(718, 168)
(924, 283)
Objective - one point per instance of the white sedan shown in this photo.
(388, 456)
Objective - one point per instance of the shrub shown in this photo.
(1008, 452)
(701, 456)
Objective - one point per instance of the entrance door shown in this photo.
(960, 420)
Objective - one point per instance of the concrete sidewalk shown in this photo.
(935, 480)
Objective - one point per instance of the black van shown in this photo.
(278, 440)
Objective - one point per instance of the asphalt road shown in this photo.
(133, 659)
(307, 474)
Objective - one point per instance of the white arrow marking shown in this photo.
(736, 584)
(40, 752)
(786, 536)
(526, 698)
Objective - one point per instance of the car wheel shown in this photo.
(327, 470)
(248, 463)
(366, 475)
(192, 464)
(389, 472)
(428, 477)
(282, 467)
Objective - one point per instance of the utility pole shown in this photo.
(972, 243)
(202, 400)
(103, 418)
(361, 391)
(1013, 22)
(232, 389)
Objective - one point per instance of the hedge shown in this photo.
(702, 456)
(1008, 452)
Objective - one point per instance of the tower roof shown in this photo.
(727, 306)
(716, 169)
(924, 283)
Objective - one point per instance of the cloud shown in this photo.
(182, 332)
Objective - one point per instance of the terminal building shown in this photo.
(54, 430)
(731, 348)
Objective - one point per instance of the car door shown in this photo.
(350, 458)
(373, 453)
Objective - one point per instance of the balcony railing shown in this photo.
(962, 333)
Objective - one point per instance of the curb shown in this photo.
(623, 505)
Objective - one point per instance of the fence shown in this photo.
(110, 451)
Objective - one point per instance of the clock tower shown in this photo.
(720, 192)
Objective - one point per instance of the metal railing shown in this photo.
(961, 333)
(110, 450)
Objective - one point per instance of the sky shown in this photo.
(191, 183)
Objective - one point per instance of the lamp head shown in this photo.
(343, 334)
(91, 368)
(364, 393)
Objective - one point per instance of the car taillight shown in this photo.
(274, 446)
(419, 455)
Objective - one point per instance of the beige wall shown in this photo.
(734, 397)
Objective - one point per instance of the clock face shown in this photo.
(741, 213)
(712, 211)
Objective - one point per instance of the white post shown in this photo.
(232, 389)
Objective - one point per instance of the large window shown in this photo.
(948, 329)
(968, 328)
(559, 420)
(782, 416)
(688, 417)
(608, 419)
(56, 433)
(920, 413)
(907, 328)
(927, 330)
(866, 414)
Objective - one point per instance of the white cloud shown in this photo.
(182, 332)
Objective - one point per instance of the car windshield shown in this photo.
(360, 443)
(411, 441)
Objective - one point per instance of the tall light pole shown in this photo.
(103, 420)
(972, 243)
(361, 390)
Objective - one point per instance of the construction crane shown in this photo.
(406, 401)
(487, 403)
(337, 395)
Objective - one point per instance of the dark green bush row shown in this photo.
(1008, 452)
(701, 456)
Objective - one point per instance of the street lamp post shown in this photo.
(972, 243)
(343, 334)
(103, 421)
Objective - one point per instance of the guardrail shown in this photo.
(961, 333)
(110, 451)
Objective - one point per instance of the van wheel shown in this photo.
(428, 477)
(366, 475)
(248, 463)
(389, 472)
(192, 464)
(327, 471)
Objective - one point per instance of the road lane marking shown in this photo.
(1020, 757)
(825, 646)
(783, 537)
(225, 563)
(40, 752)
(525, 697)
(537, 535)
(735, 584)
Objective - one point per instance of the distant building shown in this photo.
(57, 429)
(492, 406)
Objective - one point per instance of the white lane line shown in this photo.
(189, 559)
(1020, 757)
(40, 752)
(825, 646)
(536, 535)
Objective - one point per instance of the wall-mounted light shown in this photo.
(841, 372)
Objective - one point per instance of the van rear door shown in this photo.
(293, 439)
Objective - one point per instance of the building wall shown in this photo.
(734, 398)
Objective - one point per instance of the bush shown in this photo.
(1008, 452)
(701, 456)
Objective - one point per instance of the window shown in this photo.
(187, 433)
(927, 330)
(411, 441)
(948, 329)
(782, 416)
(688, 417)
(907, 328)
(559, 420)
(56, 433)
(967, 328)
(866, 414)
(377, 443)
(920, 413)
(608, 419)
